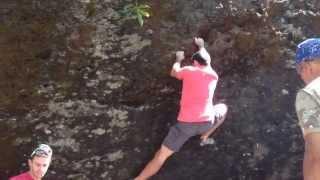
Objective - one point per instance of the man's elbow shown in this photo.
(172, 74)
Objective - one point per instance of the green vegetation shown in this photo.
(136, 11)
(91, 8)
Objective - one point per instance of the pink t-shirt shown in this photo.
(23, 176)
(198, 86)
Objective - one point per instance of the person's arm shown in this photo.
(199, 42)
(311, 161)
(201, 49)
(177, 65)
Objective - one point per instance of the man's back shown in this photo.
(198, 88)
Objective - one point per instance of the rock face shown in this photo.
(95, 86)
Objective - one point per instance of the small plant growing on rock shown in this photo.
(91, 8)
(136, 11)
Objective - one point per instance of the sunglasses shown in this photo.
(42, 150)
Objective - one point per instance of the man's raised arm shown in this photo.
(177, 65)
(201, 49)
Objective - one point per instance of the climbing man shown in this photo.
(39, 162)
(197, 115)
(308, 105)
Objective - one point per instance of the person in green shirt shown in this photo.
(308, 105)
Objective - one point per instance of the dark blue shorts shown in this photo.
(182, 131)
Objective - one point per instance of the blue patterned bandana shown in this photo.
(308, 50)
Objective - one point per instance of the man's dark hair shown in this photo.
(197, 57)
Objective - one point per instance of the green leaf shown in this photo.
(140, 19)
(129, 6)
(144, 6)
(136, 11)
(145, 13)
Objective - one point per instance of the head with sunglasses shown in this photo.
(39, 162)
(41, 150)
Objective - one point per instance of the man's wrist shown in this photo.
(177, 64)
(179, 60)
(179, 56)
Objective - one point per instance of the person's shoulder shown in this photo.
(313, 89)
(302, 97)
(313, 86)
(307, 106)
(209, 71)
(23, 176)
(189, 68)
(305, 100)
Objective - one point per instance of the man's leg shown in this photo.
(311, 161)
(221, 113)
(156, 163)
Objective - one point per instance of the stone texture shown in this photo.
(95, 86)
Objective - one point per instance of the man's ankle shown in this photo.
(139, 178)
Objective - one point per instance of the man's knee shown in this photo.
(163, 153)
(221, 109)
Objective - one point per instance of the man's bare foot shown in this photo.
(204, 137)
